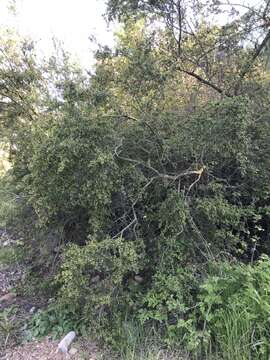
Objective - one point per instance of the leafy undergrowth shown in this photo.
(27, 320)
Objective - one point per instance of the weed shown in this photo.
(8, 324)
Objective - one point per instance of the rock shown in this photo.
(7, 297)
(138, 279)
(32, 310)
(73, 351)
(65, 342)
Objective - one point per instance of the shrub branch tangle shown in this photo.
(145, 185)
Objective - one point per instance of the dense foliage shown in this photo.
(145, 185)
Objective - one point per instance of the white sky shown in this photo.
(70, 21)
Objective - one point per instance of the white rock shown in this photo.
(65, 342)
(32, 310)
(73, 351)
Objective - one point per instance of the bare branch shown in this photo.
(160, 175)
(135, 220)
(252, 60)
(198, 178)
(205, 82)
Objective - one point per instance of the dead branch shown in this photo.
(135, 220)
(160, 175)
(200, 172)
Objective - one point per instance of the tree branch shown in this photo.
(205, 82)
(250, 62)
(158, 174)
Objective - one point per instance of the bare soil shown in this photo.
(47, 350)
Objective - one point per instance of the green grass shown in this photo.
(138, 343)
(9, 202)
(235, 335)
(9, 255)
(8, 326)
(154, 353)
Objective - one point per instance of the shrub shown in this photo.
(71, 175)
(164, 201)
(169, 303)
(94, 280)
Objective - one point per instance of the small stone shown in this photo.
(32, 310)
(7, 297)
(138, 279)
(73, 351)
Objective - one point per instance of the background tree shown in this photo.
(235, 45)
